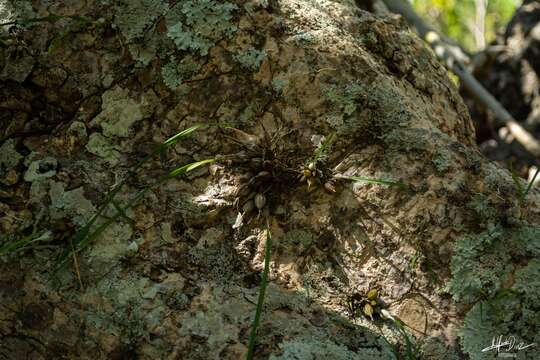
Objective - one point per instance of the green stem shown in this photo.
(260, 300)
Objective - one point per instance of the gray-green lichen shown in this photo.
(312, 349)
(113, 243)
(19, 65)
(119, 113)
(484, 210)
(472, 278)
(15, 10)
(371, 108)
(441, 161)
(304, 38)
(77, 129)
(144, 53)
(101, 146)
(253, 5)
(433, 348)
(174, 72)
(248, 113)
(251, 59)
(70, 204)
(198, 25)
(209, 326)
(345, 100)
(9, 157)
(219, 324)
(131, 313)
(134, 17)
(41, 169)
(300, 239)
(514, 314)
(38, 190)
(279, 84)
(506, 300)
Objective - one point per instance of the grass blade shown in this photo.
(187, 168)
(23, 243)
(158, 150)
(83, 237)
(322, 149)
(182, 134)
(260, 300)
(410, 348)
(531, 183)
(517, 183)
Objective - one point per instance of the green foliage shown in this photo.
(530, 184)
(13, 245)
(455, 18)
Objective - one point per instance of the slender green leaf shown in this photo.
(110, 196)
(121, 212)
(531, 183)
(22, 243)
(260, 300)
(83, 237)
(187, 168)
(517, 182)
(174, 139)
(323, 148)
(410, 348)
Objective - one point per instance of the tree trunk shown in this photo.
(86, 93)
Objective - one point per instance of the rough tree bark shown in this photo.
(89, 92)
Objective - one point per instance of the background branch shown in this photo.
(454, 58)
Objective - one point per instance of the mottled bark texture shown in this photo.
(83, 98)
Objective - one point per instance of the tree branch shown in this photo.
(454, 58)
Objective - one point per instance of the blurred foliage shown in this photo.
(458, 18)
